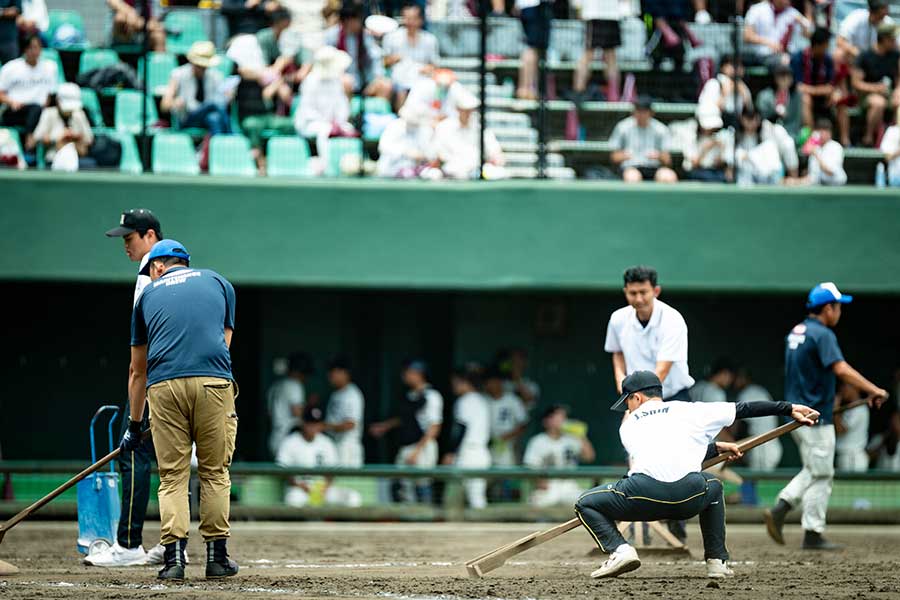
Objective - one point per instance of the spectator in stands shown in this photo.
(284, 70)
(858, 31)
(346, 411)
(286, 399)
(456, 147)
(670, 31)
(720, 92)
(410, 52)
(471, 434)
(417, 427)
(366, 71)
(708, 154)
(767, 456)
(768, 30)
(128, 24)
(555, 449)
(714, 387)
(508, 419)
(514, 364)
(34, 20)
(194, 95)
(766, 152)
(324, 109)
(782, 103)
(437, 94)
(404, 143)
(25, 86)
(814, 73)
(308, 446)
(875, 79)
(247, 16)
(65, 131)
(826, 157)
(535, 17)
(602, 31)
(10, 10)
(852, 430)
(639, 145)
(890, 146)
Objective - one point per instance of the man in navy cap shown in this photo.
(668, 443)
(181, 330)
(813, 362)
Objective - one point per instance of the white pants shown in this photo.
(334, 496)
(853, 459)
(350, 453)
(765, 457)
(474, 458)
(427, 458)
(558, 491)
(811, 487)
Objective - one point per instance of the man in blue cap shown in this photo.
(813, 362)
(181, 330)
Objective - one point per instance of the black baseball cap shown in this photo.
(341, 361)
(313, 414)
(136, 219)
(643, 102)
(636, 382)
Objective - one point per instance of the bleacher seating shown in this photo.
(230, 155)
(287, 156)
(92, 108)
(338, 148)
(173, 154)
(161, 66)
(128, 111)
(183, 28)
(58, 18)
(96, 58)
(53, 54)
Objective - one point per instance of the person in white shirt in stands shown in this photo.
(719, 92)
(366, 73)
(555, 449)
(668, 443)
(345, 414)
(456, 146)
(287, 398)
(410, 52)
(35, 19)
(890, 145)
(852, 430)
(826, 159)
(404, 142)
(307, 446)
(471, 434)
(708, 154)
(602, 31)
(25, 86)
(324, 108)
(767, 456)
(193, 94)
(437, 94)
(640, 146)
(65, 128)
(768, 30)
(765, 152)
(713, 388)
(508, 419)
(859, 29)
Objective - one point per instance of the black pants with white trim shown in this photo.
(642, 498)
(134, 473)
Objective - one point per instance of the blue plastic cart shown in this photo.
(98, 498)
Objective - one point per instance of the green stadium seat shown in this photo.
(96, 58)
(183, 28)
(287, 156)
(161, 66)
(128, 111)
(174, 154)
(131, 157)
(67, 17)
(337, 149)
(92, 107)
(225, 66)
(14, 134)
(377, 106)
(53, 54)
(230, 155)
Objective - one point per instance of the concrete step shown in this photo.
(521, 134)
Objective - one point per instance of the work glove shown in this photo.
(132, 438)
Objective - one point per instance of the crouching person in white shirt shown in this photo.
(309, 447)
(555, 449)
(471, 434)
(826, 161)
(457, 149)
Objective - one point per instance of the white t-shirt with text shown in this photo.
(26, 84)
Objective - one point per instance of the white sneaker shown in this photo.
(718, 569)
(157, 555)
(623, 560)
(117, 556)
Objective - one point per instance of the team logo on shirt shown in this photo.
(797, 336)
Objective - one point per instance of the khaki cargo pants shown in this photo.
(199, 410)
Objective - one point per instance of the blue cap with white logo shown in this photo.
(826, 293)
(164, 249)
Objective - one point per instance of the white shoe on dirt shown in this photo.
(117, 556)
(157, 555)
(717, 569)
(623, 560)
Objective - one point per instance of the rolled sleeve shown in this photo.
(138, 326)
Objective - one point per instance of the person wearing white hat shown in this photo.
(457, 148)
(194, 96)
(410, 52)
(324, 108)
(404, 142)
(63, 125)
(709, 157)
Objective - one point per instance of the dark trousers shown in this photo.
(642, 498)
(134, 471)
(210, 116)
(27, 117)
(681, 395)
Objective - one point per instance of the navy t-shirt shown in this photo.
(182, 318)
(810, 351)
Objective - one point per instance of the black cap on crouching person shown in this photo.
(643, 103)
(313, 414)
(639, 381)
(136, 219)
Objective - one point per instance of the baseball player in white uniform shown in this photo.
(667, 443)
(309, 447)
(554, 449)
(346, 410)
(852, 429)
(286, 399)
(471, 434)
(767, 456)
(508, 419)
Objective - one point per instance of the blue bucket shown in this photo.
(98, 498)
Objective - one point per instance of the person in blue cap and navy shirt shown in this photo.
(813, 362)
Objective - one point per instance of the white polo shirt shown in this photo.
(473, 411)
(665, 338)
(142, 280)
(668, 440)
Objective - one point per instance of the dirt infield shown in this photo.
(425, 561)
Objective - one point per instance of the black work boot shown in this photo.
(174, 557)
(217, 562)
(813, 540)
(774, 518)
